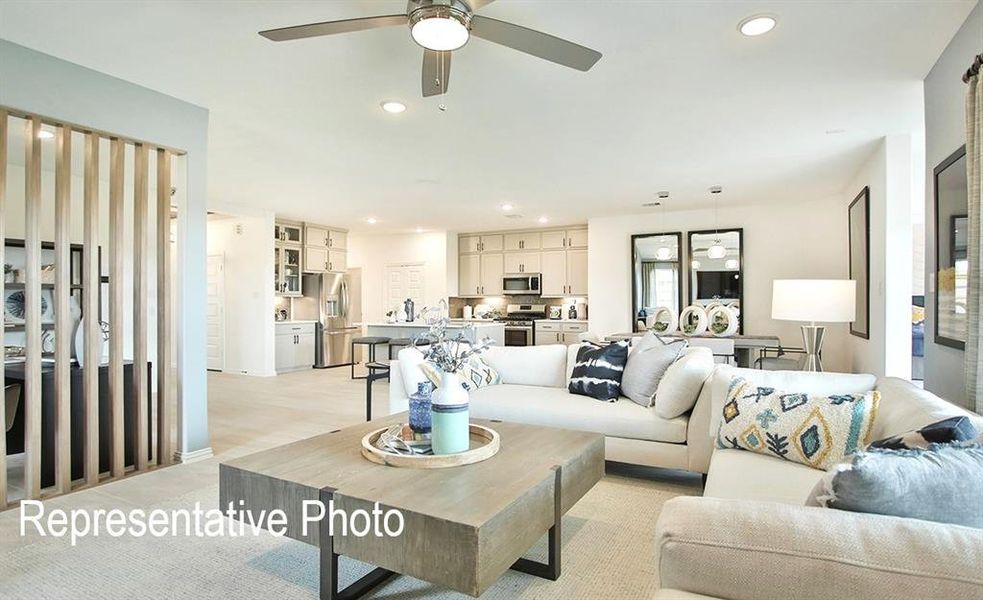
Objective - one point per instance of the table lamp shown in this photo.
(814, 301)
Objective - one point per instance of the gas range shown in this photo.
(518, 322)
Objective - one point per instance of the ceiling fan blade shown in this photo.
(298, 32)
(535, 42)
(476, 4)
(436, 72)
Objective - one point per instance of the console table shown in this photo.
(744, 345)
(14, 373)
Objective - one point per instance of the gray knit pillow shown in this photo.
(943, 483)
(647, 363)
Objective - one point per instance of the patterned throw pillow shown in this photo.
(946, 431)
(816, 431)
(598, 371)
(475, 374)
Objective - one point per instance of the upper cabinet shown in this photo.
(560, 255)
(476, 244)
(337, 239)
(528, 240)
(324, 249)
(315, 236)
(287, 232)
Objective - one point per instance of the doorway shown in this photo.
(402, 282)
(215, 336)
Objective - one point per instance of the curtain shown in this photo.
(648, 282)
(974, 172)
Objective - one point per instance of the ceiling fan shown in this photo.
(442, 26)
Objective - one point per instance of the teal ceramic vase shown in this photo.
(450, 427)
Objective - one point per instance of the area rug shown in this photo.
(608, 551)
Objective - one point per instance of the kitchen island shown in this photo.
(477, 331)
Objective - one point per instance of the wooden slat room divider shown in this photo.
(118, 399)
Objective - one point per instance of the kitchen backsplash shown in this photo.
(498, 303)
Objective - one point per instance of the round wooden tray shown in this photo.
(484, 445)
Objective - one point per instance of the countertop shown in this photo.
(422, 325)
(295, 322)
(561, 321)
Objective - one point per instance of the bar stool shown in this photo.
(397, 344)
(371, 342)
(377, 371)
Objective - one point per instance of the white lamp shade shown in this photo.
(814, 300)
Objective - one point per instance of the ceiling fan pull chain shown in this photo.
(440, 85)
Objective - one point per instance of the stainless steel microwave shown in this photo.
(516, 284)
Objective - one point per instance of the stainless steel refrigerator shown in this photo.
(334, 301)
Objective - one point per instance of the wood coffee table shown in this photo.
(464, 526)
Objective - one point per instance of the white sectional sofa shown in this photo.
(534, 391)
(751, 537)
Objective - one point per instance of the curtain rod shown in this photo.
(974, 69)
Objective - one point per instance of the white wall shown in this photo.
(797, 239)
(945, 131)
(58, 89)
(889, 173)
(244, 237)
(373, 253)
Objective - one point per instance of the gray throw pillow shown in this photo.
(647, 363)
(943, 483)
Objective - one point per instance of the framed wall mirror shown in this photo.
(657, 280)
(716, 269)
(951, 251)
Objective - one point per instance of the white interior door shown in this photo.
(402, 282)
(216, 313)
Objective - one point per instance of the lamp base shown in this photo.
(812, 343)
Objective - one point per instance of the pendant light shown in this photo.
(717, 250)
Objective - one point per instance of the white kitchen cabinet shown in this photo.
(558, 332)
(294, 345)
(469, 244)
(315, 259)
(315, 236)
(577, 272)
(492, 272)
(287, 269)
(523, 262)
(554, 240)
(469, 275)
(576, 238)
(492, 243)
(289, 233)
(525, 240)
(337, 240)
(476, 244)
(554, 270)
(337, 261)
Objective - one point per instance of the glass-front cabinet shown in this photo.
(288, 233)
(287, 270)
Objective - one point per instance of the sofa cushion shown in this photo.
(555, 407)
(599, 371)
(474, 374)
(906, 407)
(817, 431)
(747, 476)
(822, 384)
(529, 365)
(943, 483)
(647, 363)
(681, 385)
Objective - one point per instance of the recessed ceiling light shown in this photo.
(44, 134)
(392, 106)
(419, 229)
(507, 207)
(371, 221)
(544, 220)
(757, 25)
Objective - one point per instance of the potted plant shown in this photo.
(449, 355)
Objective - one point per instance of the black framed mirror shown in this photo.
(951, 250)
(716, 269)
(657, 280)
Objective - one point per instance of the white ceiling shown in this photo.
(680, 101)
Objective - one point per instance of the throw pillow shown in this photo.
(816, 431)
(647, 364)
(475, 373)
(942, 483)
(681, 385)
(953, 429)
(599, 370)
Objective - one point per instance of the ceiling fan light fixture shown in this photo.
(440, 28)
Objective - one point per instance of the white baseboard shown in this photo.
(190, 457)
